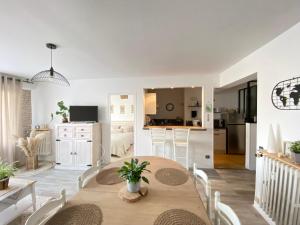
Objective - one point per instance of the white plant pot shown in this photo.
(295, 157)
(133, 187)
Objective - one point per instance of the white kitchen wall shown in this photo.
(227, 98)
(97, 91)
(276, 61)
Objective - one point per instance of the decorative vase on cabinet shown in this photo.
(77, 145)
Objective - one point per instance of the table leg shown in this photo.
(33, 197)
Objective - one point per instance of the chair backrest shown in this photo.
(207, 187)
(88, 174)
(43, 214)
(181, 135)
(223, 213)
(158, 133)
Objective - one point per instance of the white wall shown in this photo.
(227, 98)
(117, 102)
(96, 92)
(274, 62)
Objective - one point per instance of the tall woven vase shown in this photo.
(32, 162)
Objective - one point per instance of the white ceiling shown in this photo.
(117, 38)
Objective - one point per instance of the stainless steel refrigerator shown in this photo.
(236, 138)
(236, 133)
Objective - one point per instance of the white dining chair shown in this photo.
(158, 138)
(88, 174)
(43, 214)
(202, 176)
(181, 141)
(223, 213)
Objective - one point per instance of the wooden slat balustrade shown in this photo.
(277, 192)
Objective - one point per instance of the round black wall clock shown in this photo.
(170, 107)
(286, 94)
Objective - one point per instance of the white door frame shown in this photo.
(134, 122)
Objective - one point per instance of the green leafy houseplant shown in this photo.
(63, 111)
(295, 151)
(132, 172)
(295, 147)
(6, 171)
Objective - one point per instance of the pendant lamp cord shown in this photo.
(51, 57)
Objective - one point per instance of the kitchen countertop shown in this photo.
(193, 128)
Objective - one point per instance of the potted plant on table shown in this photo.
(6, 171)
(295, 151)
(63, 111)
(132, 173)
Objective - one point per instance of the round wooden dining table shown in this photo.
(160, 198)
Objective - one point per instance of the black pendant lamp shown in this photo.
(50, 75)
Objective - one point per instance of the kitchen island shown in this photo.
(200, 146)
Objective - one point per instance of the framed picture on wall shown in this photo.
(286, 148)
(122, 109)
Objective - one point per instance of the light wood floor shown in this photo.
(228, 161)
(236, 187)
(237, 190)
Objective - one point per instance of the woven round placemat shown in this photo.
(171, 176)
(178, 216)
(109, 176)
(83, 214)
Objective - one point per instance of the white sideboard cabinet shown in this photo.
(78, 145)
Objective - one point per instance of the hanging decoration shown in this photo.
(50, 75)
(286, 94)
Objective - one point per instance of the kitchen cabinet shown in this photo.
(220, 140)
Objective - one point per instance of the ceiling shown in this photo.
(121, 38)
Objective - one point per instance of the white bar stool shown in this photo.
(181, 140)
(158, 137)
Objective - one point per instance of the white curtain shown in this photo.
(10, 101)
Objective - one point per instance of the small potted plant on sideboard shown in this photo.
(132, 173)
(295, 151)
(63, 111)
(6, 171)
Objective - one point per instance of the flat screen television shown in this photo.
(84, 113)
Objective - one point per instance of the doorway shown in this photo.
(234, 107)
(122, 126)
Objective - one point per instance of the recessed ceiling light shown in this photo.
(172, 87)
